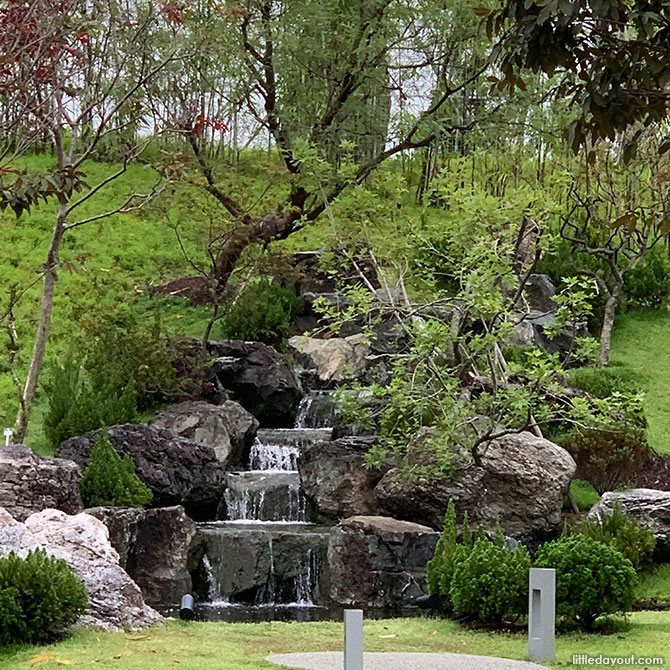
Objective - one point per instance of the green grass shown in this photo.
(641, 341)
(584, 494)
(655, 585)
(221, 646)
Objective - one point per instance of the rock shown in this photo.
(153, 547)
(259, 565)
(30, 483)
(530, 332)
(649, 507)
(377, 561)
(522, 481)
(327, 363)
(228, 428)
(540, 291)
(82, 541)
(334, 478)
(258, 378)
(177, 470)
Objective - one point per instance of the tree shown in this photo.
(322, 79)
(72, 72)
(611, 59)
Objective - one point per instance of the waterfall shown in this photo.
(213, 587)
(282, 457)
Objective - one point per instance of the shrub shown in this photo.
(81, 400)
(490, 583)
(603, 382)
(623, 533)
(110, 480)
(262, 312)
(608, 455)
(648, 283)
(40, 598)
(592, 578)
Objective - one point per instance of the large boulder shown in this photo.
(258, 378)
(540, 292)
(82, 541)
(179, 471)
(153, 546)
(521, 482)
(325, 363)
(228, 428)
(649, 507)
(377, 561)
(335, 480)
(30, 483)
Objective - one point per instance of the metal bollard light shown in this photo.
(187, 607)
(353, 639)
(542, 614)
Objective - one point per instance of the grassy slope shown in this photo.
(220, 646)
(641, 341)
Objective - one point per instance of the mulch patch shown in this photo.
(656, 475)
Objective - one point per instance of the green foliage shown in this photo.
(440, 568)
(110, 480)
(623, 533)
(648, 283)
(40, 598)
(82, 400)
(584, 495)
(262, 312)
(490, 583)
(603, 382)
(592, 578)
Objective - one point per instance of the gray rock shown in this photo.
(153, 548)
(258, 378)
(30, 483)
(377, 561)
(228, 428)
(522, 481)
(325, 363)
(177, 470)
(334, 478)
(649, 507)
(540, 291)
(82, 541)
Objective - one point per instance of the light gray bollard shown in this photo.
(353, 639)
(542, 614)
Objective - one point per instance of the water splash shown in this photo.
(282, 457)
(213, 586)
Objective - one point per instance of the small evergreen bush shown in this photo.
(648, 283)
(603, 382)
(490, 583)
(623, 533)
(110, 480)
(592, 578)
(40, 598)
(263, 312)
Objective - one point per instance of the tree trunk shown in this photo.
(608, 325)
(44, 325)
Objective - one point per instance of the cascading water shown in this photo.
(264, 550)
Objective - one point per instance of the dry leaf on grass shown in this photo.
(40, 658)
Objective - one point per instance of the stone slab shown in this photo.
(333, 660)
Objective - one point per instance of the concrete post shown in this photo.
(542, 614)
(353, 639)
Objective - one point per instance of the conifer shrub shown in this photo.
(40, 597)
(110, 480)
(623, 533)
(592, 579)
(490, 583)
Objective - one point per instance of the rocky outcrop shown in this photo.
(258, 378)
(177, 470)
(30, 483)
(325, 363)
(377, 561)
(531, 332)
(82, 541)
(153, 548)
(521, 482)
(228, 428)
(335, 480)
(649, 507)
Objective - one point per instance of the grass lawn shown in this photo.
(222, 646)
(641, 340)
